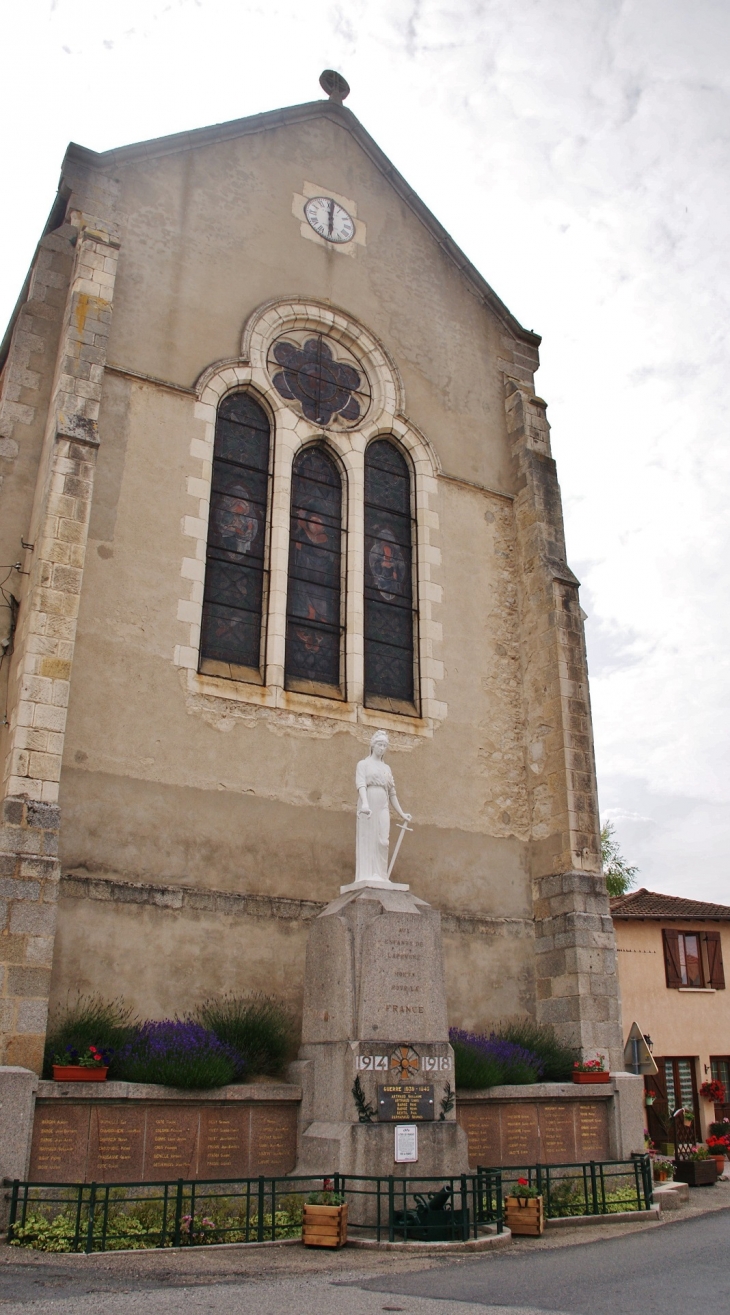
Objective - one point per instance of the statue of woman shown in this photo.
(376, 792)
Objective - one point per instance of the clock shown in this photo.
(329, 219)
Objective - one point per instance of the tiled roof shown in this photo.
(646, 904)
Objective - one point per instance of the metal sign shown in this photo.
(405, 1103)
(637, 1055)
(406, 1143)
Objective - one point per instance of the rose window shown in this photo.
(321, 378)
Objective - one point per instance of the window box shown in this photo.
(599, 1077)
(77, 1073)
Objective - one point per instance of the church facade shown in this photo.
(275, 477)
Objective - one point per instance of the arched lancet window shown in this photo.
(314, 630)
(390, 618)
(233, 601)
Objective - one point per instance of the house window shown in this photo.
(233, 600)
(681, 1087)
(314, 629)
(390, 616)
(693, 959)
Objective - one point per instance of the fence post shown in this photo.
(500, 1209)
(178, 1213)
(594, 1188)
(273, 1209)
(262, 1199)
(464, 1210)
(90, 1226)
(639, 1193)
(547, 1192)
(79, 1207)
(648, 1180)
(13, 1206)
(391, 1208)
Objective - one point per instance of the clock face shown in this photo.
(329, 219)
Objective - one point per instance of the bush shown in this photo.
(491, 1061)
(539, 1038)
(260, 1029)
(177, 1053)
(91, 1021)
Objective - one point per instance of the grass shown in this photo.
(556, 1059)
(91, 1020)
(259, 1028)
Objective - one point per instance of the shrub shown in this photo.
(91, 1021)
(260, 1029)
(177, 1053)
(491, 1061)
(556, 1059)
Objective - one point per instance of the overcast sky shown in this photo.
(578, 151)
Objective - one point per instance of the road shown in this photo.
(667, 1269)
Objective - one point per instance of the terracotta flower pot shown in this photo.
(591, 1077)
(77, 1073)
(324, 1225)
(720, 1162)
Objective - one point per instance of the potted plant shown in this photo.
(663, 1168)
(698, 1169)
(590, 1070)
(90, 1065)
(714, 1091)
(525, 1214)
(325, 1219)
(719, 1147)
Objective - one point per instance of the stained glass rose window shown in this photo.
(320, 378)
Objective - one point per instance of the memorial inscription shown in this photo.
(116, 1144)
(592, 1130)
(273, 1139)
(172, 1143)
(224, 1138)
(59, 1145)
(543, 1131)
(405, 1103)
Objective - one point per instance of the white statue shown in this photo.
(376, 794)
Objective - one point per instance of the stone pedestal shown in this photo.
(374, 1017)
(17, 1099)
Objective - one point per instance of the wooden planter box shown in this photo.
(698, 1173)
(77, 1073)
(525, 1216)
(325, 1225)
(592, 1077)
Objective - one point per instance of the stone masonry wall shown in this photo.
(575, 954)
(29, 877)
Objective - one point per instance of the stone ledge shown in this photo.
(83, 885)
(618, 1217)
(540, 1091)
(146, 1091)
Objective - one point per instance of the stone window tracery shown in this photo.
(321, 377)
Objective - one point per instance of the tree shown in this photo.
(620, 875)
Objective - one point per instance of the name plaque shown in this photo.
(405, 1103)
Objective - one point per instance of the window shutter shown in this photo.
(671, 958)
(714, 960)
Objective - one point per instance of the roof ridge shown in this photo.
(645, 903)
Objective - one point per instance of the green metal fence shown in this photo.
(595, 1187)
(120, 1216)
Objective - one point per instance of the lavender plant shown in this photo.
(176, 1053)
(491, 1061)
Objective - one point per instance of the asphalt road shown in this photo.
(669, 1269)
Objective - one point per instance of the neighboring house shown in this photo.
(670, 965)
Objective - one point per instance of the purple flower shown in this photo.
(177, 1052)
(508, 1054)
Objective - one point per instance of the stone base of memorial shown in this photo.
(375, 1051)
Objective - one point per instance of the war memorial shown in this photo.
(279, 501)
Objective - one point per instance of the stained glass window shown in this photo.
(234, 573)
(389, 610)
(313, 606)
(320, 377)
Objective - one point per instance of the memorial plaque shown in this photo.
(273, 1139)
(224, 1137)
(116, 1144)
(171, 1144)
(592, 1130)
(405, 1103)
(60, 1143)
(520, 1134)
(401, 982)
(557, 1134)
(481, 1123)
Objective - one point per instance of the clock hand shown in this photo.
(331, 215)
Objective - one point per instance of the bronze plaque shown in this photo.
(481, 1123)
(273, 1139)
(592, 1130)
(520, 1134)
(405, 1103)
(557, 1134)
(116, 1144)
(60, 1143)
(224, 1150)
(171, 1144)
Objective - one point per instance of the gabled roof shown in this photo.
(646, 904)
(339, 114)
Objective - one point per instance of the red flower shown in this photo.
(522, 1182)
